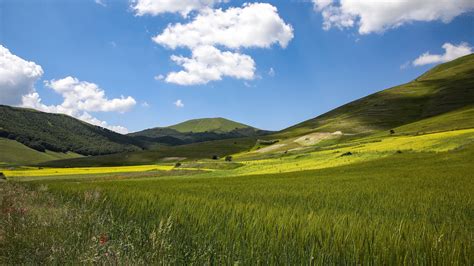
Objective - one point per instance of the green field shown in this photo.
(400, 199)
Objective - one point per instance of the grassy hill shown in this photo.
(218, 125)
(445, 88)
(15, 153)
(60, 133)
(198, 130)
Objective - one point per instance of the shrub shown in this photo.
(228, 158)
(346, 154)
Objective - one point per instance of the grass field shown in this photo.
(379, 206)
(34, 172)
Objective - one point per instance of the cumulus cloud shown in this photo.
(451, 52)
(377, 16)
(179, 103)
(253, 25)
(87, 96)
(256, 25)
(80, 98)
(208, 63)
(184, 7)
(17, 77)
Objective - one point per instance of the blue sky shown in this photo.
(318, 70)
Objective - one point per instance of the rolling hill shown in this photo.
(14, 153)
(217, 125)
(60, 133)
(198, 130)
(443, 89)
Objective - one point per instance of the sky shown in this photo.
(131, 65)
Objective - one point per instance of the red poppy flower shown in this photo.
(103, 239)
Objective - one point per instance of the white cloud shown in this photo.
(184, 7)
(253, 25)
(80, 98)
(87, 96)
(256, 25)
(208, 63)
(377, 16)
(451, 52)
(145, 104)
(17, 77)
(179, 103)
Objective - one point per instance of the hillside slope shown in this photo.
(60, 133)
(442, 89)
(217, 125)
(15, 153)
(198, 130)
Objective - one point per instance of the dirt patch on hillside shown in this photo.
(314, 138)
(270, 148)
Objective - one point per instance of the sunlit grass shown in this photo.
(30, 172)
(393, 200)
(361, 150)
(409, 208)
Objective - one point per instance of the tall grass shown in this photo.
(405, 209)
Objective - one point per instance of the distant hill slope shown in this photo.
(194, 151)
(217, 125)
(444, 88)
(15, 153)
(198, 130)
(60, 133)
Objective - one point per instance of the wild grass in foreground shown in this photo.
(410, 208)
(39, 228)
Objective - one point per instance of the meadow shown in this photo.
(380, 206)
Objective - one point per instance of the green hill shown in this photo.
(217, 125)
(15, 153)
(60, 133)
(198, 130)
(443, 89)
